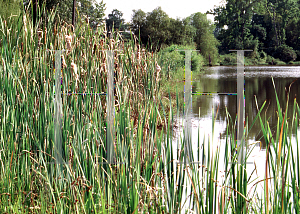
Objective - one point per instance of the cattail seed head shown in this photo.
(40, 36)
(112, 44)
(143, 52)
(25, 25)
(74, 72)
(63, 62)
(74, 68)
(158, 68)
(101, 43)
(138, 55)
(68, 41)
(45, 37)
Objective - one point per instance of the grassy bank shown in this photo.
(262, 59)
(172, 61)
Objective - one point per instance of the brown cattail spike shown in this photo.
(68, 42)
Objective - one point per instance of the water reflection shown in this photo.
(258, 82)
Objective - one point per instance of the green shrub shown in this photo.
(272, 61)
(251, 61)
(228, 59)
(172, 60)
(262, 55)
(285, 53)
(294, 63)
(11, 8)
(298, 55)
(197, 61)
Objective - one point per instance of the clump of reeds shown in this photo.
(28, 143)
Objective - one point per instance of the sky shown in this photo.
(174, 8)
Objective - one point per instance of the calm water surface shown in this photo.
(258, 83)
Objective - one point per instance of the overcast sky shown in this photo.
(174, 8)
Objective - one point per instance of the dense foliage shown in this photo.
(173, 59)
(268, 25)
(159, 30)
(91, 10)
(11, 8)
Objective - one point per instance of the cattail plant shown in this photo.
(68, 42)
(74, 73)
(63, 62)
(39, 36)
(138, 53)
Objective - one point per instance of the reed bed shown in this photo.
(30, 182)
(149, 178)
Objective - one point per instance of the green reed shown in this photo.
(30, 182)
(150, 179)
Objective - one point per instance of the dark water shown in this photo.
(258, 82)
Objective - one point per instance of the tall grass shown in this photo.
(30, 181)
(150, 177)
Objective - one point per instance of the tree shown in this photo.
(280, 13)
(115, 21)
(233, 24)
(204, 37)
(89, 9)
(148, 27)
(293, 34)
(253, 24)
(138, 20)
(138, 25)
(97, 14)
(157, 29)
(181, 32)
(259, 29)
(188, 32)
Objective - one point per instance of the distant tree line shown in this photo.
(264, 26)
(158, 29)
(270, 26)
(91, 10)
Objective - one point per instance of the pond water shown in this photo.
(258, 83)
